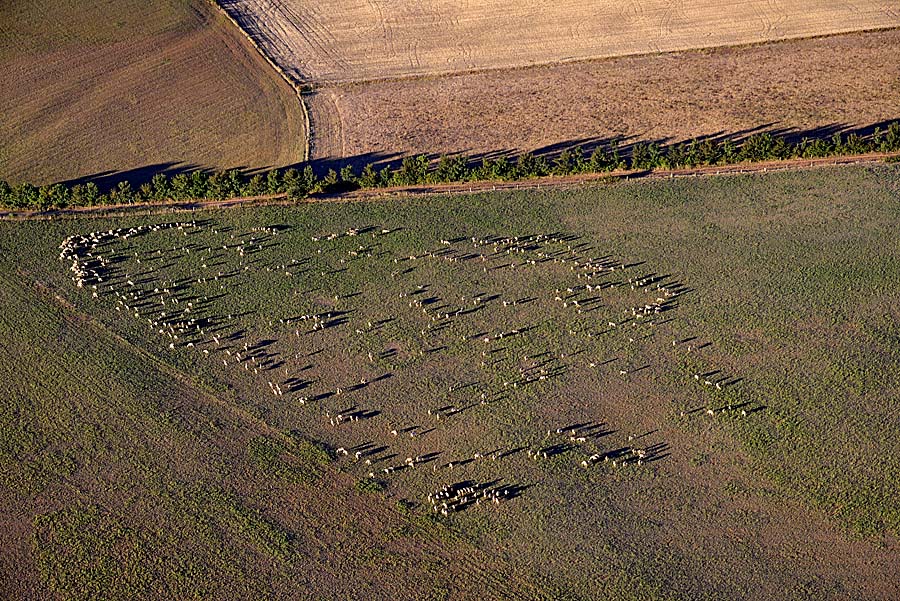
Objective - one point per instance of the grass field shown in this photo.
(450, 321)
(341, 42)
(92, 88)
(122, 477)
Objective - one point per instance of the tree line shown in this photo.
(417, 170)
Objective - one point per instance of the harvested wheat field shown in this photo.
(353, 41)
(89, 88)
(806, 86)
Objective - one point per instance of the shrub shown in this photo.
(369, 485)
(412, 171)
(451, 169)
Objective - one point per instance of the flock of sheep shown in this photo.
(181, 311)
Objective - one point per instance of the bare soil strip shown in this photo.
(326, 140)
(813, 85)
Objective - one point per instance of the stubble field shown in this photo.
(656, 390)
(345, 42)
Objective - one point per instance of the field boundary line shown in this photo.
(296, 86)
(549, 182)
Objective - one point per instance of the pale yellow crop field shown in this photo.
(354, 40)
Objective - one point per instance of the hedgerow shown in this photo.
(419, 170)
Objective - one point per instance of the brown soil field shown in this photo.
(353, 41)
(813, 85)
(136, 86)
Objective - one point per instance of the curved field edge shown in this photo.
(126, 88)
(298, 90)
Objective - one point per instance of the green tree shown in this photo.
(180, 187)
(52, 196)
(26, 195)
(330, 183)
(369, 177)
(348, 178)
(855, 144)
(273, 182)
(529, 165)
(290, 180)
(198, 185)
(160, 184)
(600, 161)
(757, 147)
(810, 148)
(564, 163)
(255, 186)
(451, 169)
(494, 169)
(308, 180)
(301, 183)
(92, 195)
(234, 183)
(7, 197)
(216, 186)
(412, 171)
(579, 160)
(837, 144)
(385, 177)
(646, 156)
(728, 151)
(61, 195)
(122, 193)
(891, 141)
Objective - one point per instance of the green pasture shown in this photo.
(463, 324)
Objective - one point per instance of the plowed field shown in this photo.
(135, 87)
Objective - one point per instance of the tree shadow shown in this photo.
(623, 145)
